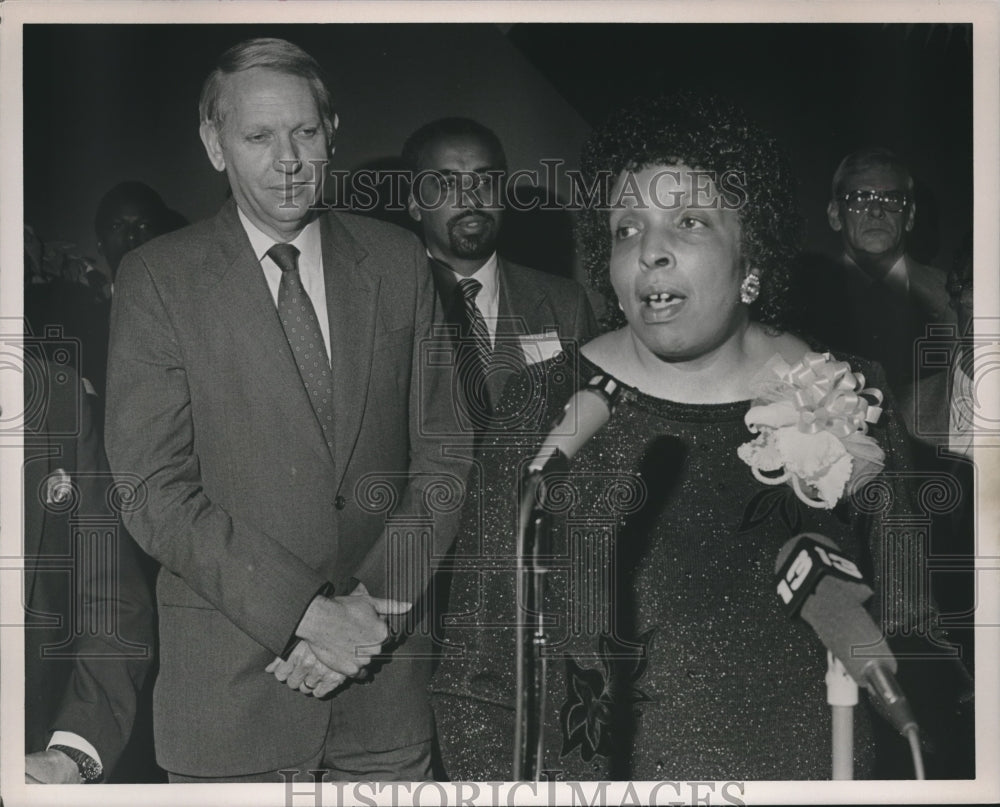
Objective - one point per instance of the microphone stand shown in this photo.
(583, 416)
(534, 542)
(842, 695)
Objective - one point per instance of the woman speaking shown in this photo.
(670, 654)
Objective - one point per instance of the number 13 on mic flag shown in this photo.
(804, 561)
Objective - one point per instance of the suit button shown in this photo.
(340, 502)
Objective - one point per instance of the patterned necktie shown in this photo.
(476, 330)
(298, 318)
(474, 355)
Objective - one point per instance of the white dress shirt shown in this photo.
(72, 740)
(310, 267)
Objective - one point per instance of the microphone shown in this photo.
(583, 416)
(826, 589)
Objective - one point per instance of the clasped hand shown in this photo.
(51, 767)
(340, 635)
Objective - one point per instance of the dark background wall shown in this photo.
(107, 103)
(112, 102)
(823, 89)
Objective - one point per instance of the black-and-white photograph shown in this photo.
(408, 404)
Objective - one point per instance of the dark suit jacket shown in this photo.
(837, 305)
(530, 303)
(247, 510)
(82, 671)
(83, 315)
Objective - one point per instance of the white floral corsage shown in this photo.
(812, 425)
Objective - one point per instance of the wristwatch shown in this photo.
(90, 769)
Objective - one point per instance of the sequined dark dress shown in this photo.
(673, 658)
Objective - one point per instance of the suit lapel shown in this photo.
(352, 308)
(929, 292)
(242, 298)
(446, 288)
(522, 304)
(520, 310)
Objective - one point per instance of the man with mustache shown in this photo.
(505, 315)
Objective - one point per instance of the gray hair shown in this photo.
(273, 54)
(862, 160)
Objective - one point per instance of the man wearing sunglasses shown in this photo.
(873, 210)
(885, 299)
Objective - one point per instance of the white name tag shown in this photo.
(540, 347)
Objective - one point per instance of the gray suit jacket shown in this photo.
(244, 504)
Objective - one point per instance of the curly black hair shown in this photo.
(705, 133)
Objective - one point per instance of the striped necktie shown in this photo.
(476, 330)
(475, 352)
(298, 318)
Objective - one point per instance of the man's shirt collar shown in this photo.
(307, 241)
(488, 276)
(897, 278)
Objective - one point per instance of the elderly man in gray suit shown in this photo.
(265, 372)
(504, 315)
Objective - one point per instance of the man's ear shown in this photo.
(213, 145)
(833, 216)
(911, 216)
(411, 207)
(331, 134)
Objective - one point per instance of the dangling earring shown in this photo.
(749, 288)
